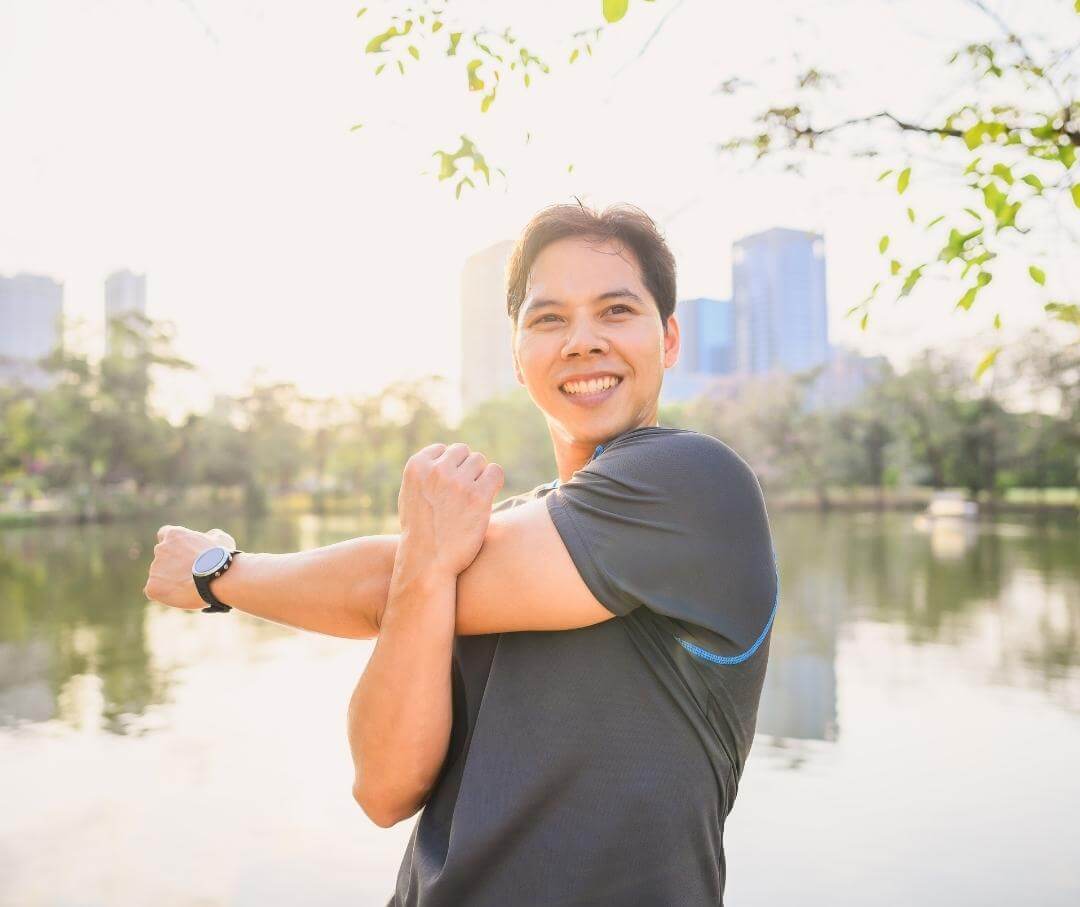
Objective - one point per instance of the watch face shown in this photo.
(210, 560)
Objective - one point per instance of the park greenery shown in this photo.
(1006, 137)
(93, 440)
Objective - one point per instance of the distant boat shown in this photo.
(951, 505)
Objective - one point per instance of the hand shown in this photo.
(170, 581)
(445, 503)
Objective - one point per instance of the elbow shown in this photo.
(382, 811)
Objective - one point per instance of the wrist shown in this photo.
(231, 586)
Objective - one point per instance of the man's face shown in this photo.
(587, 312)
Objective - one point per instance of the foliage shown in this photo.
(1014, 137)
(91, 432)
(490, 59)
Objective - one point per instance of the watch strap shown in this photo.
(202, 583)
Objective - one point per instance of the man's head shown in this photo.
(592, 293)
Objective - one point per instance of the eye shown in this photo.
(620, 305)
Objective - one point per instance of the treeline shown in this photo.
(93, 436)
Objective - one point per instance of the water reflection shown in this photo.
(912, 685)
(75, 627)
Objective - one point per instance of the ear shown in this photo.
(671, 342)
(513, 353)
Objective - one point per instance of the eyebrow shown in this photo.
(621, 293)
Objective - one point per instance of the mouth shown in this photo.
(591, 392)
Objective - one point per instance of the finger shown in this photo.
(473, 466)
(492, 478)
(453, 456)
(432, 451)
(161, 533)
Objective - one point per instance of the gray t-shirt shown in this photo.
(596, 766)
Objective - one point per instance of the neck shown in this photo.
(571, 454)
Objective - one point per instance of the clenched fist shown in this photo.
(170, 581)
(445, 503)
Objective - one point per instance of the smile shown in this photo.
(590, 392)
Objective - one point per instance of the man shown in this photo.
(594, 759)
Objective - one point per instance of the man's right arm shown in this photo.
(339, 590)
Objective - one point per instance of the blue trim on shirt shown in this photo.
(736, 659)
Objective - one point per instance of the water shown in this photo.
(918, 740)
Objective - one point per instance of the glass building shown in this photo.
(778, 290)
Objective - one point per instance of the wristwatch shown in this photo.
(208, 566)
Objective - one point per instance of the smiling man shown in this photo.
(566, 684)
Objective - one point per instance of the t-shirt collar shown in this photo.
(600, 448)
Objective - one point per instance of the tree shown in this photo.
(1012, 133)
(1013, 137)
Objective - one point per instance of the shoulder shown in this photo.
(676, 457)
(518, 499)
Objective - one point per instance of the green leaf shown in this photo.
(1032, 180)
(475, 82)
(375, 45)
(361, 11)
(357, 126)
(967, 299)
(574, 55)
(415, 51)
(1076, 195)
(883, 174)
(913, 278)
(894, 267)
(401, 67)
(570, 168)
(455, 37)
(997, 321)
(883, 244)
(937, 220)
(614, 10)
(1067, 155)
(865, 319)
(1003, 172)
(464, 181)
(487, 102)
(380, 68)
(994, 198)
(911, 214)
(1038, 275)
(987, 361)
(1069, 312)
(903, 179)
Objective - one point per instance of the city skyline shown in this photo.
(237, 185)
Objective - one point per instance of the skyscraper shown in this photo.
(31, 309)
(778, 287)
(124, 292)
(706, 347)
(487, 362)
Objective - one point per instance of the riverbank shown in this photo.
(229, 504)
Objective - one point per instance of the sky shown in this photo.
(208, 145)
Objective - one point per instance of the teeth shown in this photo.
(591, 387)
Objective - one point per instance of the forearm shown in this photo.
(339, 589)
(400, 713)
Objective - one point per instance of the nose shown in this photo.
(584, 339)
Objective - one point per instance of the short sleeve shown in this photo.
(674, 521)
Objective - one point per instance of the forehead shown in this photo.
(581, 266)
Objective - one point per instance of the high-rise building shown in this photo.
(706, 347)
(31, 312)
(487, 361)
(778, 287)
(124, 292)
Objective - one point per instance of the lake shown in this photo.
(918, 739)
